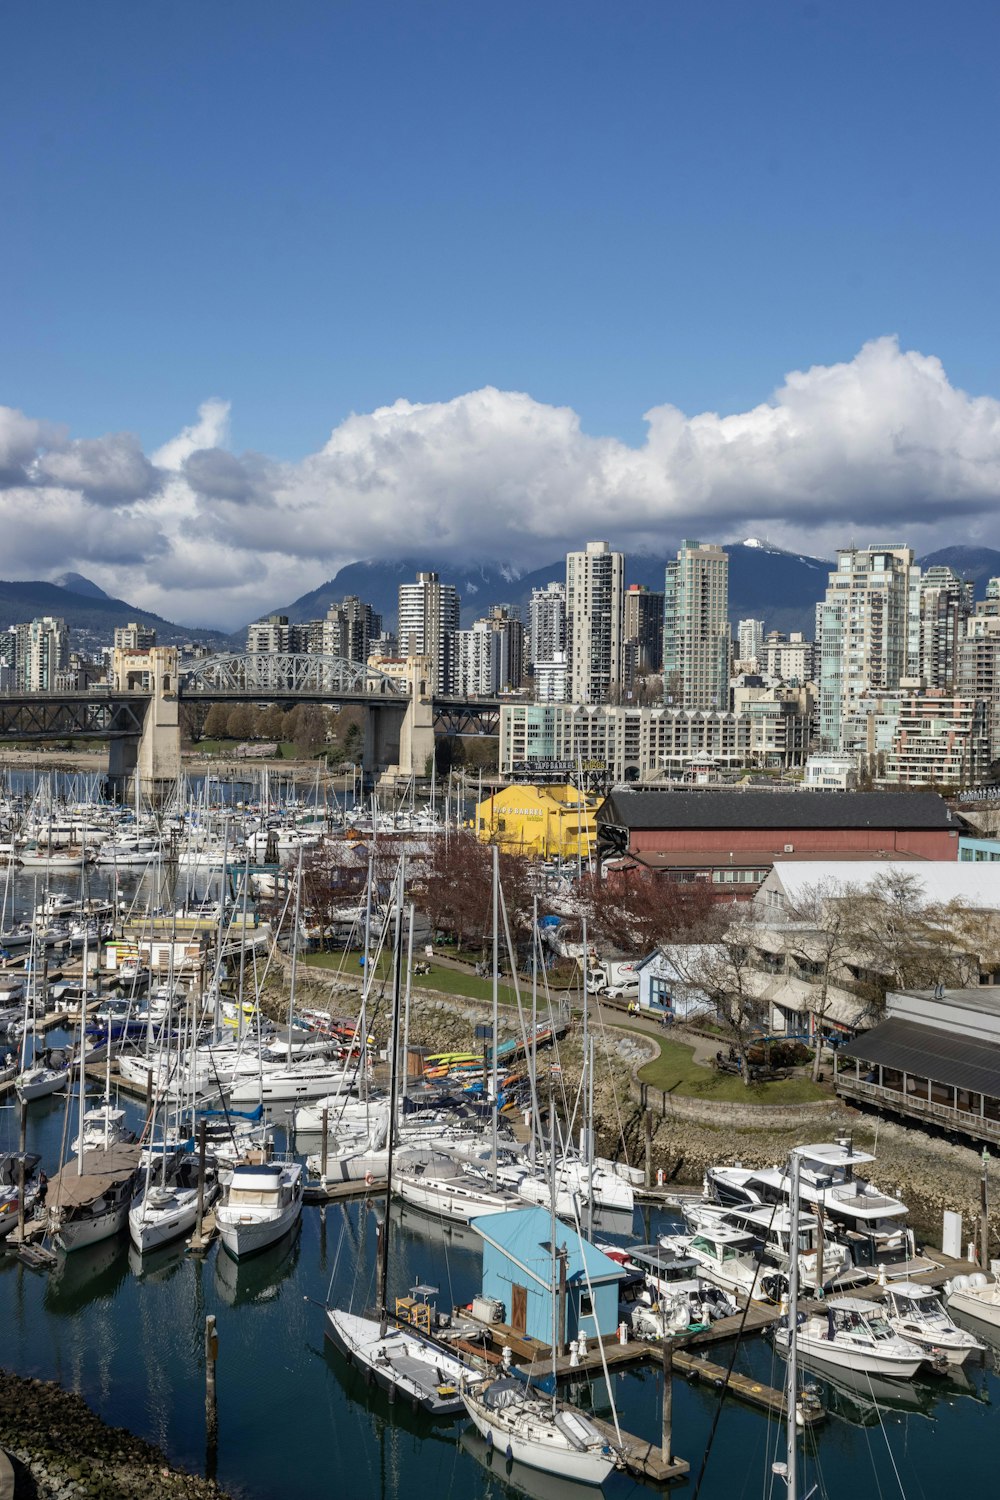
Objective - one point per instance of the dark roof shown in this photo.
(776, 809)
(929, 1052)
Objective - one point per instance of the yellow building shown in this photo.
(544, 821)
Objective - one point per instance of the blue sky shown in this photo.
(310, 210)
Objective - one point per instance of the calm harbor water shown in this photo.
(294, 1420)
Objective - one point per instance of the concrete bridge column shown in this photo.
(157, 758)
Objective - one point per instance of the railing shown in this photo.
(980, 1127)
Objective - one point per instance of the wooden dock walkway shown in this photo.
(643, 1459)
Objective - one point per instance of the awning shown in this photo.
(962, 1061)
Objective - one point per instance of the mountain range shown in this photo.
(88, 610)
(765, 582)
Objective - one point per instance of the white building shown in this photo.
(42, 651)
(869, 631)
(595, 585)
(428, 619)
(750, 638)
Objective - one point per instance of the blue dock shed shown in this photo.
(517, 1271)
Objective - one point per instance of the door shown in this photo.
(518, 1307)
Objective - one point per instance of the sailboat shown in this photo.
(531, 1428)
(404, 1358)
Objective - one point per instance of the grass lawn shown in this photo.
(675, 1071)
(448, 981)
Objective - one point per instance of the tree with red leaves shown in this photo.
(638, 911)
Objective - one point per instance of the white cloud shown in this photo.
(882, 443)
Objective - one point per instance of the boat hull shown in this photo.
(242, 1237)
(401, 1362)
(530, 1446)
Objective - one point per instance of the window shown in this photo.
(586, 1305)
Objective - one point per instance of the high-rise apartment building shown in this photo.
(547, 622)
(595, 580)
(643, 627)
(134, 637)
(272, 634)
(504, 622)
(945, 603)
(869, 631)
(472, 661)
(750, 638)
(42, 651)
(428, 619)
(788, 658)
(696, 628)
(349, 629)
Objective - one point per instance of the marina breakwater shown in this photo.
(61, 1449)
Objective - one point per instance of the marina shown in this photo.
(128, 1330)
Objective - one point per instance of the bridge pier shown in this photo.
(155, 757)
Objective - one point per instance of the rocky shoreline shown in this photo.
(63, 1451)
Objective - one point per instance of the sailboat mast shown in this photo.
(494, 1088)
(791, 1371)
(397, 990)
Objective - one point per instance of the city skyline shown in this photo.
(350, 282)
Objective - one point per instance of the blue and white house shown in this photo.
(663, 987)
(517, 1271)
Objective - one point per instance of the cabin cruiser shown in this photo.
(854, 1333)
(261, 1203)
(771, 1229)
(870, 1223)
(678, 1289)
(917, 1314)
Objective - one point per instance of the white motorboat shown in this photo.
(728, 1257)
(855, 1334)
(261, 1204)
(103, 1127)
(917, 1314)
(870, 1223)
(540, 1431)
(975, 1297)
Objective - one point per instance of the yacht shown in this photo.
(261, 1203)
(168, 1208)
(89, 1205)
(871, 1224)
(403, 1354)
(540, 1431)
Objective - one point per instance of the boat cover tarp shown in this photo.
(101, 1171)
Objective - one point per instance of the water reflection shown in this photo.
(862, 1399)
(88, 1275)
(238, 1282)
(509, 1477)
(159, 1264)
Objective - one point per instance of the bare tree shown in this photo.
(825, 915)
(729, 974)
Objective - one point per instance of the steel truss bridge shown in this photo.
(269, 675)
